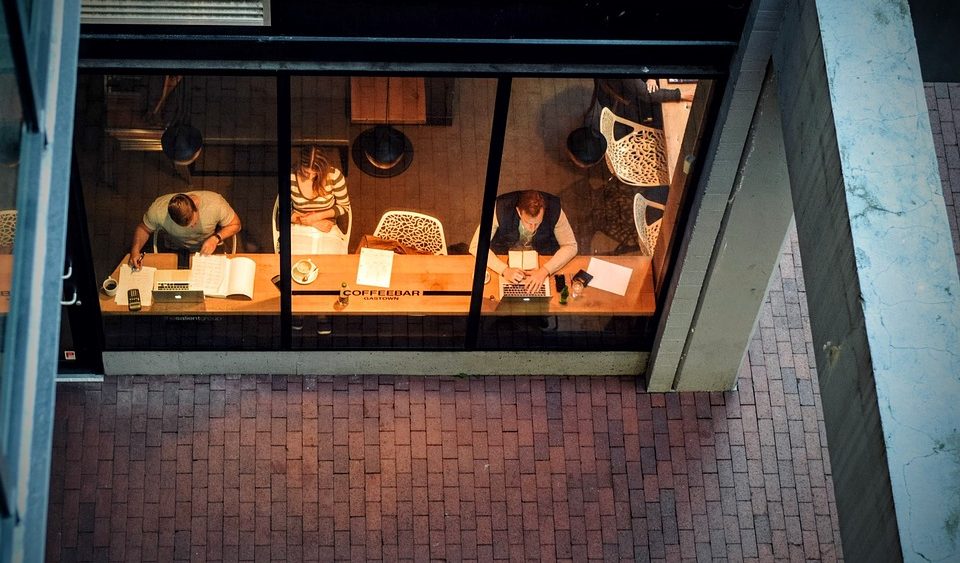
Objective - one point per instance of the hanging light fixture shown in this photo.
(383, 151)
(181, 142)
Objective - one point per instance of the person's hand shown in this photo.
(535, 279)
(136, 261)
(324, 225)
(209, 246)
(514, 275)
(652, 86)
(296, 218)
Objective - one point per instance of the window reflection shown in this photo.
(10, 127)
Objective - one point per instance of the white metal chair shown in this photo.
(8, 227)
(638, 158)
(647, 233)
(232, 242)
(304, 238)
(423, 232)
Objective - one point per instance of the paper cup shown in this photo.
(110, 286)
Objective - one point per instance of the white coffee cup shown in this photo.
(305, 267)
(110, 286)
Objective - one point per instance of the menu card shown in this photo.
(375, 267)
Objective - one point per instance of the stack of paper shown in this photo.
(141, 280)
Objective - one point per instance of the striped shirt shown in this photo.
(332, 196)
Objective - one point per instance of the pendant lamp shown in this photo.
(383, 151)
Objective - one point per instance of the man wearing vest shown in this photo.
(532, 219)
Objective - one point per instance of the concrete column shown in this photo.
(879, 271)
(754, 225)
(721, 163)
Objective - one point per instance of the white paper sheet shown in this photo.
(608, 276)
(375, 267)
(309, 240)
(141, 280)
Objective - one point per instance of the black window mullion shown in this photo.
(283, 208)
(498, 132)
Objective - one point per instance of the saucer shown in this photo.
(298, 278)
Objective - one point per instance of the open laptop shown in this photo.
(173, 286)
(511, 290)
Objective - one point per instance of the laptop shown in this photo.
(511, 290)
(173, 286)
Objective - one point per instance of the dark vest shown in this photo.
(508, 232)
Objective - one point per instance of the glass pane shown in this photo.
(10, 126)
(402, 163)
(141, 140)
(580, 157)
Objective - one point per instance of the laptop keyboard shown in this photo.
(511, 289)
(173, 286)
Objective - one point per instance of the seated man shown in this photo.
(195, 221)
(529, 218)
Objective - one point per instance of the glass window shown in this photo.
(590, 168)
(11, 117)
(387, 178)
(173, 165)
(10, 127)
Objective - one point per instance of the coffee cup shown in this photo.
(110, 286)
(305, 267)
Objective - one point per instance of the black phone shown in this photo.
(561, 281)
(133, 299)
(583, 277)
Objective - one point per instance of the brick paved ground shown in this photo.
(368, 468)
(256, 468)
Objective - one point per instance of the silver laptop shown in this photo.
(173, 286)
(511, 290)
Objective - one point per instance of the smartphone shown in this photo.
(133, 299)
(561, 281)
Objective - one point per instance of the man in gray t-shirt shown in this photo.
(195, 221)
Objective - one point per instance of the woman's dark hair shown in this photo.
(181, 209)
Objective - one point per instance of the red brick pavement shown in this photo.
(256, 468)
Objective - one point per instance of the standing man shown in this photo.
(195, 221)
(529, 218)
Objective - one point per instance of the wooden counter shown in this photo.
(420, 285)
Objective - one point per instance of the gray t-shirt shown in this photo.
(214, 212)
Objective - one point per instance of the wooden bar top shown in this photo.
(419, 285)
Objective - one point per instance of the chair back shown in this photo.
(647, 233)
(638, 158)
(423, 232)
(8, 227)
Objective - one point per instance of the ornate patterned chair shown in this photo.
(423, 232)
(638, 158)
(647, 233)
(8, 228)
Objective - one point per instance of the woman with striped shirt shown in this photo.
(318, 191)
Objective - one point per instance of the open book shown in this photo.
(522, 259)
(219, 276)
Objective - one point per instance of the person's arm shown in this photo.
(340, 206)
(568, 249)
(493, 261)
(226, 231)
(140, 237)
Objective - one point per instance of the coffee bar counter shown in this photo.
(419, 285)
